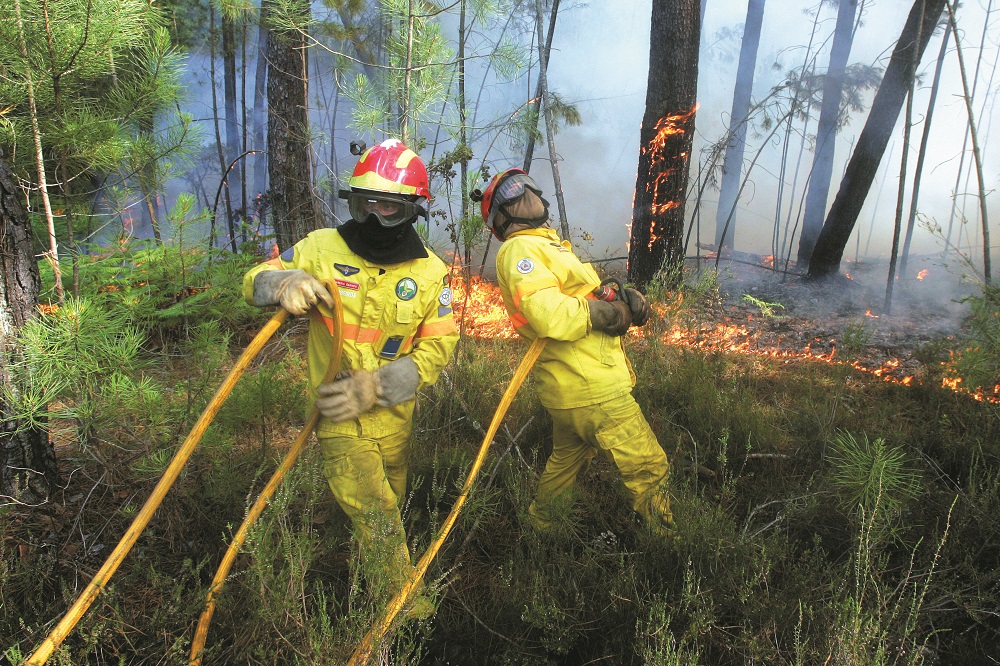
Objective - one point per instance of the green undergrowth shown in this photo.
(823, 517)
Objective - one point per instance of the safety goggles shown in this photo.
(391, 210)
(510, 190)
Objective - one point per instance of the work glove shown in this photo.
(612, 318)
(351, 395)
(348, 397)
(637, 305)
(295, 290)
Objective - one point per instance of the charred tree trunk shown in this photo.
(863, 165)
(28, 470)
(289, 164)
(657, 237)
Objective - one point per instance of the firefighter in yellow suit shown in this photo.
(584, 380)
(399, 333)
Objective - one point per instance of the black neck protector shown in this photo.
(383, 245)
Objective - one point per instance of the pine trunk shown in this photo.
(28, 470)
(666, 136)
(293, 204)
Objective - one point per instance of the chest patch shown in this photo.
(346, 270)
(525, 266)
(406, 289)
(445, 297)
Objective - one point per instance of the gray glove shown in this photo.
(349, 397)
(294, 289)
(637, 305)
(612, 318)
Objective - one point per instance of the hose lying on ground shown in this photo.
(396, 604)
(201, 633)
(107, 570)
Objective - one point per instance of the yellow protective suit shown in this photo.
(390, 311)
(583, 377)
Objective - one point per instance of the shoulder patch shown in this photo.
(445, 297)
(525, 266)
(347, 270)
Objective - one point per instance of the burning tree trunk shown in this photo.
(28, 469)
(861, 169)
(661, 183)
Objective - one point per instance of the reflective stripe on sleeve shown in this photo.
(518, 320)
(437, 328)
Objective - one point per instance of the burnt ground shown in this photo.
(845, 316)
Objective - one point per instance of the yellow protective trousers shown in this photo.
(618, 429)
(368, 479)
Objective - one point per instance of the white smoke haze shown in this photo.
(599, 62)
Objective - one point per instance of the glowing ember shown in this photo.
(868, 313)
(922, 274)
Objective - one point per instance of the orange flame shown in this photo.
(922, 274)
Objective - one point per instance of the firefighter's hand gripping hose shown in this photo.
(103, 575)
(201, 633)
(396, 604)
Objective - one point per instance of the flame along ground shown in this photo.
(479, 308)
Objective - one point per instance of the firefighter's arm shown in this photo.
(279, 282)
(538, 299)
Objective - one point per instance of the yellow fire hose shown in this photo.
(363, 652)
(103, 576)
(201, 633)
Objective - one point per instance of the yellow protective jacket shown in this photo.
(390, 311)
(545, 288)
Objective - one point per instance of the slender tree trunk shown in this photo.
(529, 146)
(28, 469)
(976, 154)
(543, 64)
(965, 138)
(293, 203)
(826, 132)
(732, 165)
(219, 145)
(657, 235)
(922, 153)
(463, 136)
(260, 115)
(53, 254)
(900, 195)
(234, 178)
(882, 117)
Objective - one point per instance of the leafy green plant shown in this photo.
(766, 309)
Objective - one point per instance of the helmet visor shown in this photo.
(510, 190)
(390, 210)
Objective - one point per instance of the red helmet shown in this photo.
(390, 183)
(391, 167)
(506, 188)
